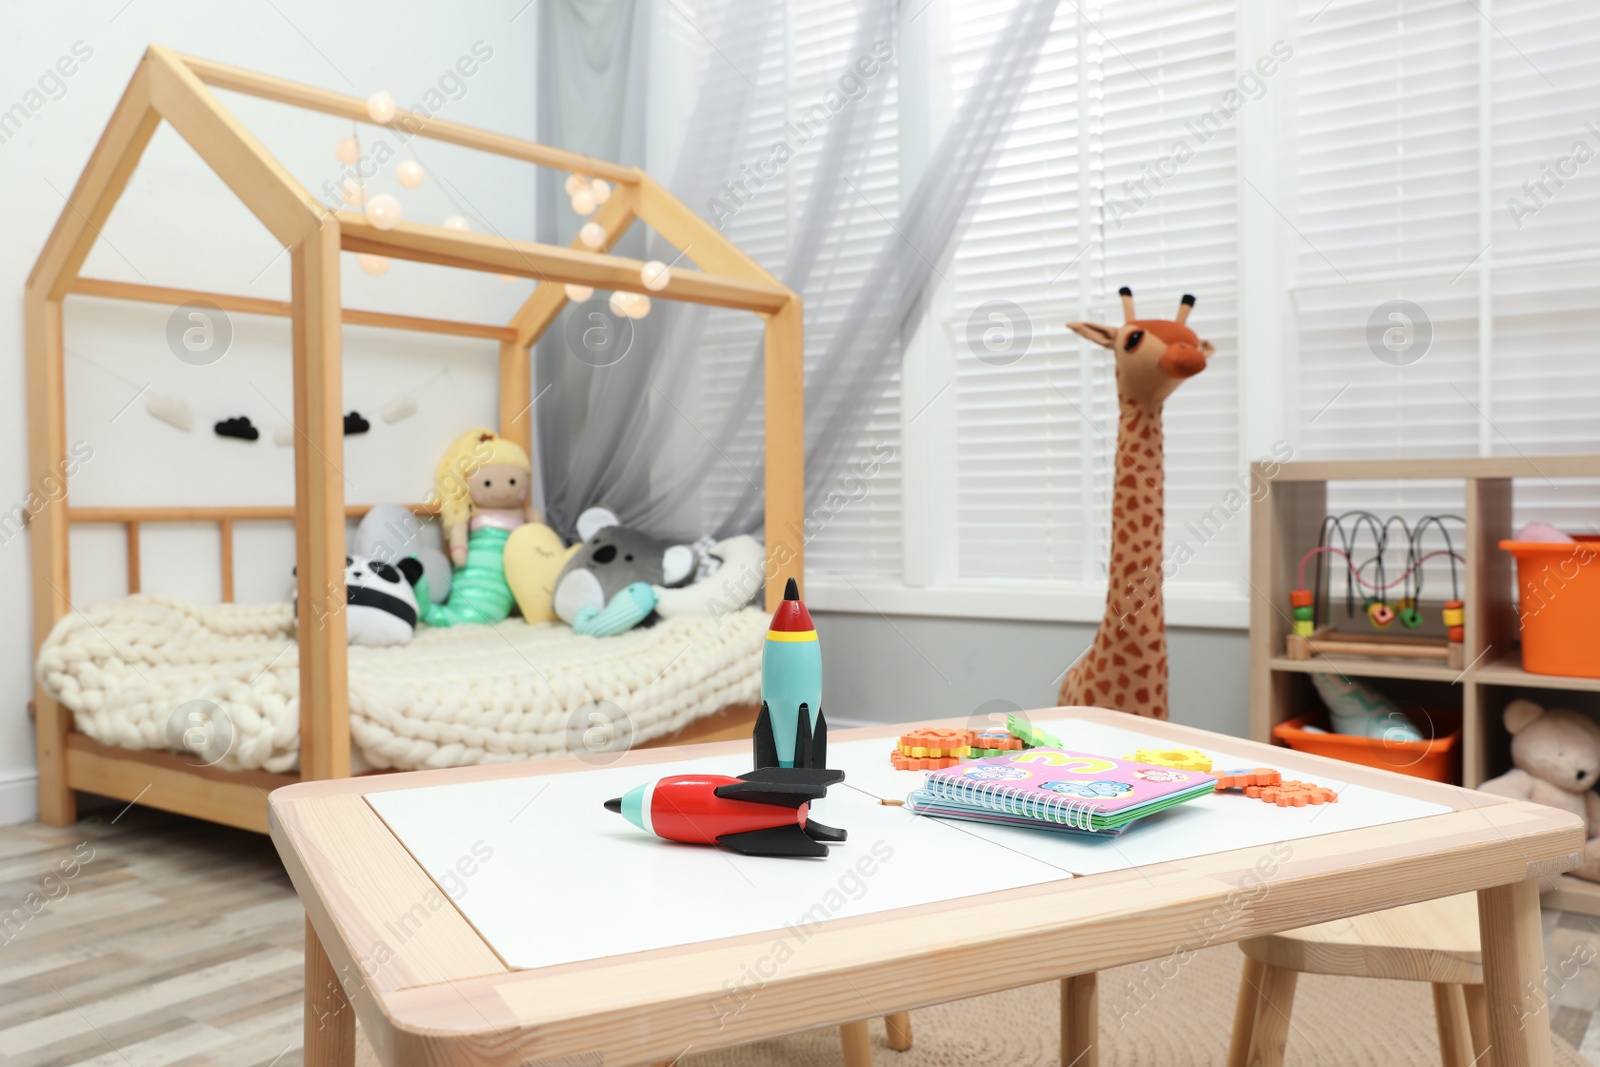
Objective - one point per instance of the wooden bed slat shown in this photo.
(262, 184)
(256, 305)
(203, 513)
(551, 263)
(167, 781)
(133, 558)
(225, 530)
(407, 122)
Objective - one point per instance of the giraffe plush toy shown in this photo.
(1126, 666)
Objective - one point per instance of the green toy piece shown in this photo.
(1033, 738)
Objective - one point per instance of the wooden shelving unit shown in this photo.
(1290, 505)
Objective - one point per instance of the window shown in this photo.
(1445, 283)
(1432, 191)
(1092, 191)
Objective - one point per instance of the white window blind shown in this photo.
(1448, 162)
(856, 525)
(796, 70)
(1078, 207)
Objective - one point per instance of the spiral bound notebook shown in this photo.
(1057, 789)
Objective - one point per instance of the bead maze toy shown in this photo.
(1313, 630)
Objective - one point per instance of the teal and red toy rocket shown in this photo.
(791, 731)
(768, 811)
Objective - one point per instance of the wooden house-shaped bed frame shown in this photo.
(178, 89)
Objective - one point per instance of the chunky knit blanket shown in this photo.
(449, 698)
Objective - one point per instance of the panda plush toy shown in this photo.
(380, 606)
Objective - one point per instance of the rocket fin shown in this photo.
(814, 775)
(782, 792)
(819, 832)
(774, 841)
(766, 747)
(802, 737)
(819, 741)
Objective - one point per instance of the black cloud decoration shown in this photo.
(354, 424)
(239, 427)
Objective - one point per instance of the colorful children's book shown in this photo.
(1057, 788)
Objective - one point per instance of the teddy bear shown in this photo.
(1556, 758)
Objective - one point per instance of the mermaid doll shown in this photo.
(484, 483)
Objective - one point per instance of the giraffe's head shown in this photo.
(1153, 355)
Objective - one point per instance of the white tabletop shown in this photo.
(548, 876)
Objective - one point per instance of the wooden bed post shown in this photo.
(319, 506)
(121, 145)
(785, 449)
(516, 394)
(47, 451)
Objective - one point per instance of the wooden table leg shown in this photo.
(899, 1026)
(330, 1022)
(1455, 1033)
(1478, 1022)
(856, 1041)
(1244, 1012)
(1513, 974)
(1080, 1020)
(1270, 1032)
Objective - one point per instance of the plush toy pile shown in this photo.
(504, 559)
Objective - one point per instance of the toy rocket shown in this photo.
(790, 731)
(763, 813)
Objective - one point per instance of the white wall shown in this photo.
(909, 668)
(178, 225)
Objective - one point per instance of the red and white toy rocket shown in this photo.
(763, 813)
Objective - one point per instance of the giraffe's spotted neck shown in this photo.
(1126, 664)
(1138, 488)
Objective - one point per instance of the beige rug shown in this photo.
(1145, 1021)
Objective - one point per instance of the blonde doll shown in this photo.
(485, 484)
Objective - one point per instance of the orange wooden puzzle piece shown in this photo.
(1291, 794)
(935, 743)
(903, 762)
(1239, 778)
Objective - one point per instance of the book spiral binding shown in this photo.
(1002, 796)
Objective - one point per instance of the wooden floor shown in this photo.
(140, 939)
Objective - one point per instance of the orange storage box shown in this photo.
(1559, 605)
(1434, 760)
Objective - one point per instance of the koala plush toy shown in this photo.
(616, 560)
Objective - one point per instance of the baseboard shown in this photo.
(19, 797)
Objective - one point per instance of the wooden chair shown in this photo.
(1436, 942)
(856, 1040)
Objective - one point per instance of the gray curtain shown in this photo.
(629, 417)
(593, 75)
